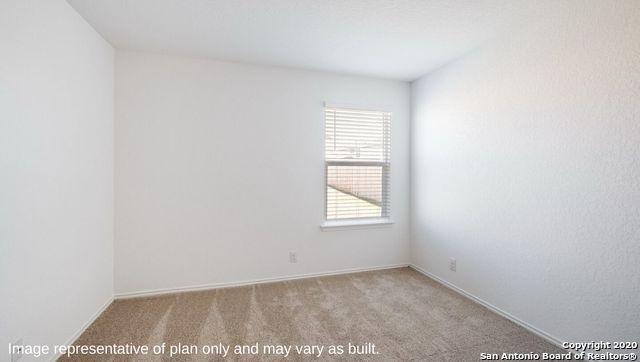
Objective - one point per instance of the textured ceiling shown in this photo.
(401, 39)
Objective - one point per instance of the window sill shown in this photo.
(355, 224)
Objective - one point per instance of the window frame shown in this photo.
(385, 219)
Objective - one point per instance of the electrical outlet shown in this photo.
(17, 350)
(452, 264)
(293, 257)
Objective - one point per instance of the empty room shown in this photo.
(262, 180)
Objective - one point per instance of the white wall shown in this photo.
(219, 172)
(56, 172)
(526, 169)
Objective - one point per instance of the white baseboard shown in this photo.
(550, 338)
(86, 325)
(192, 288)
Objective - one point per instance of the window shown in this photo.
(357, 163)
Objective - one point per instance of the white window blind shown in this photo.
(357, 163)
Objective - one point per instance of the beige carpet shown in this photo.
(405, 314)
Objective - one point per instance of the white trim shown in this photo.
(331, 225)
(193, 288)
(540, 333)
(358, 107)
(84, 327)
